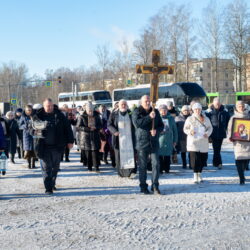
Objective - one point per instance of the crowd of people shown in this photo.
(139, 140)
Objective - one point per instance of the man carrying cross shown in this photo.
(147, 142)
(149, 125)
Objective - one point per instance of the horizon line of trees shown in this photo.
(222, 32)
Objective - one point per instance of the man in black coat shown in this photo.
(219, 118)
(147, 142)
(57, 135)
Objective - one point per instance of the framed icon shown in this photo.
(240, 129)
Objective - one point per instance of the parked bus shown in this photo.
(181, 93)
(97, 97)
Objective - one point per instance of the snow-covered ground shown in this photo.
(103, 211)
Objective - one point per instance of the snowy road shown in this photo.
(103, 211)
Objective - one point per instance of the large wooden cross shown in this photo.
(156, 70)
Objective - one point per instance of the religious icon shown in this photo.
(240, 129)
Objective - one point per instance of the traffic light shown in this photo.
(59, 79)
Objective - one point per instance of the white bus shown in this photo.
(181, 93)
(97, 97)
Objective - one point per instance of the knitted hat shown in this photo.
(163, 106)
(196, 106)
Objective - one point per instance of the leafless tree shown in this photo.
(103, 57)
(236, 34)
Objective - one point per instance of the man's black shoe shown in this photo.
(49, 192)
(54, 188)
(145, 191)
(67, 160)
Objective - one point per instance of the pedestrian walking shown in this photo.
(198, 128)
(241, 148)
(57, 135)
(147, 142)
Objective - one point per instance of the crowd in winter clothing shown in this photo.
(135, 141)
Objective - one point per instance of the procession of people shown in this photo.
(139, 141)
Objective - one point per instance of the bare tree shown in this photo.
(13, 77)
(211, 38)
(103, 57)
(236, 34)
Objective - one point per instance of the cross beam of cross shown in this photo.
(156, 70)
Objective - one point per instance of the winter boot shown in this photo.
(19, 152)
(196, 178)
(29, 162)
(200, 177)
(33, 162)
(12, 156)
(241, 174)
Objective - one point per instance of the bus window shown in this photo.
(101, 96)
(64, 99)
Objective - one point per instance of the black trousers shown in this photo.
(198, 161)
(83, 157)
(66, 153)
(164, 163)
(50, 164)
(92, 157)
(216, 143)
(184, 159)
(241, 167)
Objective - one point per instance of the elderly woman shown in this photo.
(168, 139)
(182, 137)
(241, 148)
(14, 133)
(198, 128)
(28, 144)
(88, 125)
(123, 139)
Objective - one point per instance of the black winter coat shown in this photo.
(14, 134)
(219, 120)
(64, 134)
(113, 127)
(143, 125)
(89, 140)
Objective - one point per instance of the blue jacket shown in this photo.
(219, 120)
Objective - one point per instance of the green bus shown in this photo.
(229, 98)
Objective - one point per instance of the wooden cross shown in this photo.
(156, 70)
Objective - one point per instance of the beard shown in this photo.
(123, 109)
